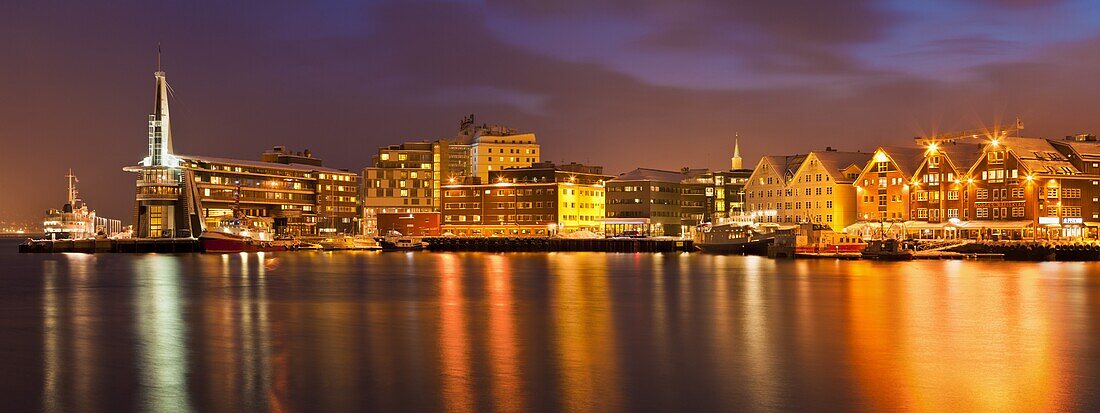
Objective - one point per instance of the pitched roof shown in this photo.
(835, 162)
(785, 164)
(907, 159)
(962, 155)
(1088, 149)
(1038, 155)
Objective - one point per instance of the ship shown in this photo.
(734, 238)
(241, 233)
(395, 241)
(810, 240)
(886, 250)
(74, 220)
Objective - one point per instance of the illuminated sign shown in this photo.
(1072, 220)
(1048, 220)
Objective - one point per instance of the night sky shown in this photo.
(618, 83)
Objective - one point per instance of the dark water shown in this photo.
(543, 332)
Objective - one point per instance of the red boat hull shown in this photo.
(230, 243)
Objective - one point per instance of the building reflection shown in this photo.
(454, 344)
(585, 337)
(161, 333)
(507, 393)
(960, 342)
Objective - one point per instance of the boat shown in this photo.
(395, 241)
(886, 250)
(357, 242)
(734, 238)
(74, 220)
(238, 232)
(810, 240)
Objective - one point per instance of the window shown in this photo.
(1071, 193)
(1052, 192)
(981, 213)
(982, 193)
(952, 195)
(995, 157)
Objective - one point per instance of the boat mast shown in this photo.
(72, 187)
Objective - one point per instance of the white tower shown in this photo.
(160, 128)
(735, 161)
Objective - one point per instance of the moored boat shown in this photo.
(395, 241)
(886, 250)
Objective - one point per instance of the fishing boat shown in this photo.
(886, 250)
(244, 234)
(395, 241)
(241, 233)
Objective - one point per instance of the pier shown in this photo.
(137, 245)
(533, 244)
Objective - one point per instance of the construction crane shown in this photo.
(983, 135)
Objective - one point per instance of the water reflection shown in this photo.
(549, 332)
(161, 335)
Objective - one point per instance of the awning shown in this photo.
(920, 225)
(996, 224)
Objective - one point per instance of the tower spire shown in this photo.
(735, 162)
(160, 127)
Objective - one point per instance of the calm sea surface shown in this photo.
(353, 331)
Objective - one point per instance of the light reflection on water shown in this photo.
(545, 332)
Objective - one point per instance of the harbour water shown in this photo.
(578, 331)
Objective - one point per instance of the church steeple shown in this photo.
(160, 128)
(735, 162)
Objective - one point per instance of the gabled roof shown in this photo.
(1038, 155)
(961, 155)
(785, 165)
(1087, 149)
(835, 162)
(907, 159)
(647, 174)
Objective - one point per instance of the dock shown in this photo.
(92, 246)
(536, 244)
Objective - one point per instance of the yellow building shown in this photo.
(767, 198)
(490, 153)
(821, 188)
(540, 200)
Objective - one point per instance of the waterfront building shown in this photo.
(882, 187)
(182, 195)
(768, 199)
(939, 201)
(300, 199)
(497, 149)
(402, 181)
(1024, 187)
(821, 188)
(539, 200)
(645, 201)
(729, 188)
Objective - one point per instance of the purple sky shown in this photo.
(618, 83)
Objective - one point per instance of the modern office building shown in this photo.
(401, 181)
(540, 200)
(645, 201)
(182, 195)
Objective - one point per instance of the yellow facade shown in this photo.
(494, 153)
(581, 207)
(822, 196)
